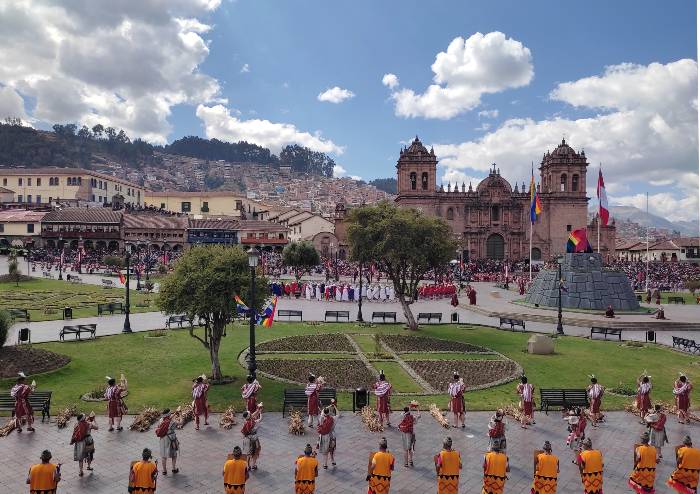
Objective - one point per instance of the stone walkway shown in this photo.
(204, 452)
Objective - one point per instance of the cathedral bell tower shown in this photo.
(563, 172)
(416, 169)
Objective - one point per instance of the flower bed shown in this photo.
(29, 360)
(400, 343)
(476, 373)
(307, 343)
(339, 374)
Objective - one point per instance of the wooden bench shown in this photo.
(512, 322)
(606, 332)
(562, 398)
(107, 283)
(337, 314)
(289, 314)
(78, 331)
(111, 307)
(296, 398)
(177, 319)
(676, 300)
(384, 316)
(685, 344)
(76, 279)
(39, 400)
(17, 314)
(429, 317)
(46, 274)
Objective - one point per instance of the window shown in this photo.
(413, 180)
(281, 236)
(450, 214)
(2, 228)
(93, 198)
(20, 198)
(50, 199)
(38, 199)
(568, 228)
(29, 198)
(495, 213)
(162, 205)
(19, 182)
(185, 207)
(574, 183)
(205, 207)
(4, 181)
(30, 227)
(424, 181)
(239, 205)
(562, 186)
(38, 182)
(29, 181)
(80, 180)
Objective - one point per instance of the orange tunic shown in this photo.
(234, 476)
(546, 473)
(449, 463)
(42, 478)
(495, 468)
(380, 478)
(592, 475)
(643, 476)
(305, 477)
(144, 477)
(684, 478)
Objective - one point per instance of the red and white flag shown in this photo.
(602, 200)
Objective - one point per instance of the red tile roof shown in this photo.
(21, 216)
(154, 221)
(83, 215)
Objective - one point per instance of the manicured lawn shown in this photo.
(160, 370)
(687, 296)
(399, 379)
(365, 342)
(37, 294)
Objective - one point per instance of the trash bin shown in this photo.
(359, 399)
(651, 336)
(455, 317)
(68, 313)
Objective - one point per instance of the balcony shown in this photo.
(85, 235)
(264, 241)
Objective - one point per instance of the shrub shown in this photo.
(113, 261)
(5, 323)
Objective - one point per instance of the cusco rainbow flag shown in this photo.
(535, 206)
(578, 241)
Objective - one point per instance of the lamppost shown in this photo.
(127, 322)
(253, 257)
(359, 299)
(560, 284)
(81, 249)
(29, 255)
(60, 258)
(337, 278)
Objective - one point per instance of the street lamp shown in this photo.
(253, 257)
(359, 298)
(60, 259)
(560, 284)
(127, 322)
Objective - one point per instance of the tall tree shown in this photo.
(203, 285)
(300, 256)
(404, 243)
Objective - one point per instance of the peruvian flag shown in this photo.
(602, 200)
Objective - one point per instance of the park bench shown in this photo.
(107, 283)
(503, 286)
(24, 335)
(17, 314)
(606, 332)
(39, 400)
(76, 279)
(296, 398)
(78, 331)
(46, 274)
(676, 300)
(384, 316)
(562, 398)
(429, 317)
(337, 314)
(177, 319)
(512, 322)
(685, 344)
(111, 307)
(289, 314)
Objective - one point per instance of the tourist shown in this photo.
(576, 420)
(656, 423)
(143, 474)
(251, 443)
(590, 464)
(23, 409)
(83, 442)
(643, 475)
(169, 444)
(684, 478)
(408, 436)
(305, 472)
(546, 471)
(527, 395)
(457, 406)
(382, 390)
(44, 477)
(495, 470)
(235, 473)
(116, 407)
(643, 400)
(595, 395)
(200, 389)
(448, 463)
(609, 312)
(497, 431)
(681, 390)
(326, 437)
(249, 391)
(381, 464)
(313, 401)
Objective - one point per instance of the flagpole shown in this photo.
(530, 249)
(598, 218)
(647, 263)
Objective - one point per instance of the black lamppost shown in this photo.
(560, 284)
(138, 272)
(337, 278)
(127, 322)
(359, 299)
(80, 255)
(253, 257)
(29, 255)
(61, 248)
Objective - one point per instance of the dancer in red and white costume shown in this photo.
(249, 392)
(527, 393)
(313, 402)
(457, 406)
(200, 388)
(382, 389)
(23, 410)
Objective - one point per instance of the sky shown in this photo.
(483, 82)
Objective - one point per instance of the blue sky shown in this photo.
(254, 69)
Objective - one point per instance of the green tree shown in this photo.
(13, 269)
(404, 243)
(5, 323)
(203, 285)
(301, 256)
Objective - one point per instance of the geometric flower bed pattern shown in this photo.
(318, 343)
(341, 374)
(400, 343)
(476, 373)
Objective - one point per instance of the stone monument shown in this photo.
(586, 285)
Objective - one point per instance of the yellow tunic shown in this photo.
(448, 475)
(592, 475)
(234, 476)
(144, 482)
(545, 478)
(685, 477)
(495, 466)
(644, 474)
(380, 478)
(305, 478)
(42, 478)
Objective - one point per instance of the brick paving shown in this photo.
(204, 452)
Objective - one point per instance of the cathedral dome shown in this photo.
(494, 181)
(416, 147)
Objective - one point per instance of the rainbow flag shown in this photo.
(535, 206)
(268, 315)
(241, 307)
(578, 241)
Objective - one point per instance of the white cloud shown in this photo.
(220, 124)
(11, 104)
(390, 80)
(668, 205)
(649, 134)
(452, 176)
(469, 68)
(483, 126)
(356, 178)
(245, 69)
(335, 95)
(488, 114)
(339, 171)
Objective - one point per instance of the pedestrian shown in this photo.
(527, 393)
(496, 469)
(595, 395)
(381, 464)
(83, 442)
(251, 443)
(684, 478)
(326, 437)
(249, 392)
(200, 388)
(656, 423)
(448, 463)
(497, 431)
(116, 407)
(471, 293)
(305, 472)
(235, 473)
(643, 400)
(143, 474)
(643, 475)
(408, 435)
(382, 390)
(169, 444)
(23, 409)
(590, 464)
(681, 390)
(457, 406)
(313, 401)
(546, 471)
(44, 477)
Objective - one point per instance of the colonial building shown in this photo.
(262, 234)
(91, 228)
(20, 227)
(211, 203)
(155, 231)
(213, 230)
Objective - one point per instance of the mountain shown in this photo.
(388, 185)
(635, 215)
